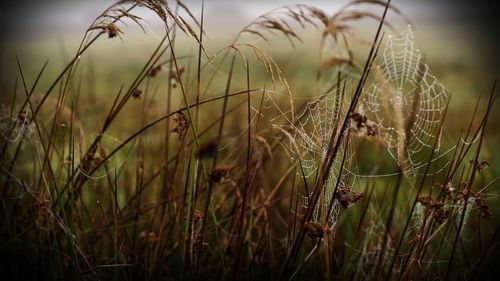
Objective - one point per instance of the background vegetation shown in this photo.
(172, 159)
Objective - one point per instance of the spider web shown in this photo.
(405, 101)
(308, 142)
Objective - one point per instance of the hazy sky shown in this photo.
(27, 17)
(477, 23)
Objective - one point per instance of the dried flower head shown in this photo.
(198, 215)
(363, 126)
(136, 93)
(480, 166)
(220, 174)
(483, 208)
(89, 162)
(181, 124)
(199, 246)
(316, 230)
(440, 212)
(347, 197)
(429, 202)
(448, 189)
(112, 30)
(153, 71)
(175, 78)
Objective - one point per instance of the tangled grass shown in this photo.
(227, 179)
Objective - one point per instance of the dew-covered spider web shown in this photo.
(406, 102)
(402, 106)
(308, 142)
